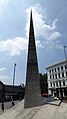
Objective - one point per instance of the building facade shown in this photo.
(57, 79)
(1, 90)
(7, 91)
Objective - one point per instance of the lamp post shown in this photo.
(65, 60)
(60, 89)
(3, 98)
(13, 85)
(65, 51)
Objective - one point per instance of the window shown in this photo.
(59, 75)
(65, 66)
(66, 73)
(61, 67)
(53, 76)
(54, 83)
(58, 69)
(56, 76)
(55, 69)
(63, 83)
(51, 84)
(57, 83)
(52, 70)
(50, 76)
(62, 74)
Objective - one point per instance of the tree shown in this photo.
(43, 83)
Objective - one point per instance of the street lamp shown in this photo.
(3, 98)
(65, 58)
(13, 84)
(65, 52)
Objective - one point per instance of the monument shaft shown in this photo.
(32, 88)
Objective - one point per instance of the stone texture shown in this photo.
(32, 88)
(46, 111)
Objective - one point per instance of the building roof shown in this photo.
(1, 82)
(58, 63)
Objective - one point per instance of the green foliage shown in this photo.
(43, 83)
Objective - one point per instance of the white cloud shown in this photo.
(54, 36)
(3, 69)
(39, 44)
(16, 46)
(4, 77)
(13, 47)
(41, 27)
(3, 2)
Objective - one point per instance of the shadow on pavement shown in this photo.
(52, 101)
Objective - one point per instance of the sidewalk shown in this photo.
(46, 111)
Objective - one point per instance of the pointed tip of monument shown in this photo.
(31, 18)
(31, 13)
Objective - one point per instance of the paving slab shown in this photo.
(45, 111)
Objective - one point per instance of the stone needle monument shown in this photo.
(32, 88)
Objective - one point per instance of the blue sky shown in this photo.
(50, 21)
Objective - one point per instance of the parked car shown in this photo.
(44, 94)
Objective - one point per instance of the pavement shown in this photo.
(50, 110)
(7, 105)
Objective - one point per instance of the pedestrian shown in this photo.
(3, 106)
(13, 103)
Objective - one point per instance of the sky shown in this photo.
(50, 27)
